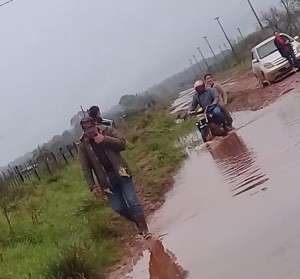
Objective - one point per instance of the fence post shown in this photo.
(25, 171)
(19, 173)
(36, 173)
(63, 155)
(75, 146)
(54, 157)
(12, 178)
(47, 166)
(5, 177)
(70, 151)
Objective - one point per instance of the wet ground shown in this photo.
(233, 212)
(244, 93)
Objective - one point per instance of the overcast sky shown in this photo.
(56, 55)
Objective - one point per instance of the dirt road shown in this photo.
(244, 93)
(233, 212)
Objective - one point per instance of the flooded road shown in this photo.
(233, 212)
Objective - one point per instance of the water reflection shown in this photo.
(237, 164)
(163, 263)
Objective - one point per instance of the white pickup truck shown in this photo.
(267, 63)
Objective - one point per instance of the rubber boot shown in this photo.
(142, 226)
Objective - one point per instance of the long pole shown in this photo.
(240, 33)
(191, 63)
(197, 63)
(187, 74)
(204, 59)
(255, 14)
(205, 38)
(218, 20)
(225, 58)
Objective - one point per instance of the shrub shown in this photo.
(75, 262)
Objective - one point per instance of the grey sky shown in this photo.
(59, 54)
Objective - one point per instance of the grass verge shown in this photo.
(56, 229)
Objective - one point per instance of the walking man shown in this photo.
(99, 153)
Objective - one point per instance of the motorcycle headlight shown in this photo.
(268, 65)
(298, 48)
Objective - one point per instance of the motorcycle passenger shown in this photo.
(209, 82)
(208, 98)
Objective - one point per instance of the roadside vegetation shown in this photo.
(54, 228)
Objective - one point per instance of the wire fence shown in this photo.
(45, 164)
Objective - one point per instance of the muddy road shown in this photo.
(233, 212)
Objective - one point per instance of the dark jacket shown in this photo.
(282, 47)
(209, 97)
(114, 143)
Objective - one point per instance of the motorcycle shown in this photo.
(207, 125)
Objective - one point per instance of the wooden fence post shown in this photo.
(17, 170)
(70, 151)
(63, 155)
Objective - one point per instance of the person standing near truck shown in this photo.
(286, 50)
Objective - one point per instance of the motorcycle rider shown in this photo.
(209, 98)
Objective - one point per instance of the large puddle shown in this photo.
(233, 212)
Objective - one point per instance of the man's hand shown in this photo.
(97, 191)
(99, 138)
(210, 108)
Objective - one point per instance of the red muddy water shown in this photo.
(233, 212)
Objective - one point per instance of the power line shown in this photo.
(5, 3)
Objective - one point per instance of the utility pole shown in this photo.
(191, 63)
(241, 33)
(187, 74)
(218, 20)
(205, 38)
(255, 14)
(198, 63)
(203, 57)
(225, 58)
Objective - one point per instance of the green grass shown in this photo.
(152, 153)
(60, 231)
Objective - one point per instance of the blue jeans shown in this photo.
(123, 199)
(293, 59)
(218, 115)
